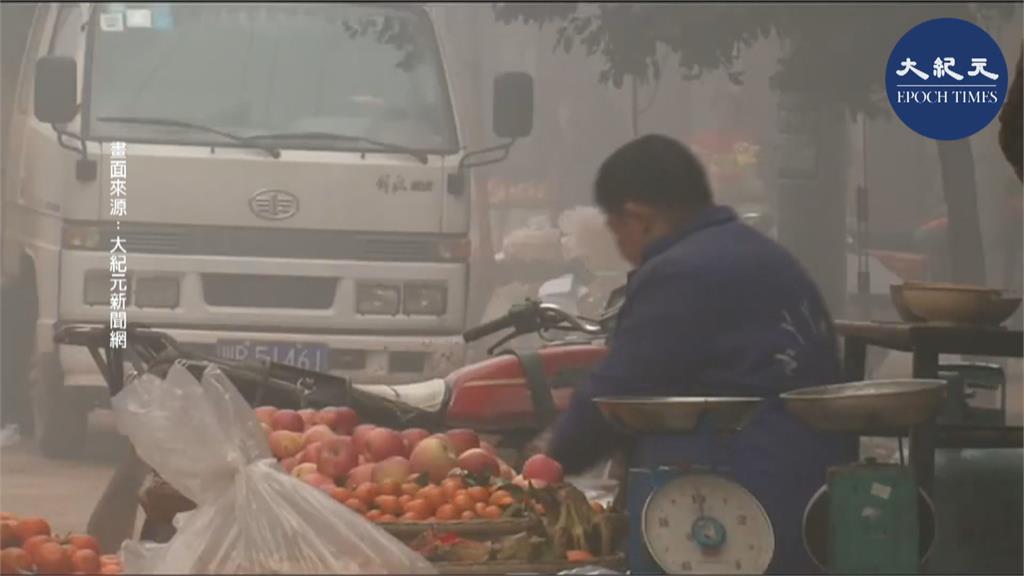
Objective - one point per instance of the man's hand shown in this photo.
(162, 502)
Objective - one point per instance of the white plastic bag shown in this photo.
(251, 517)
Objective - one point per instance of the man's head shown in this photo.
(647, 190)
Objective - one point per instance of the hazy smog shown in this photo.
(348, 188)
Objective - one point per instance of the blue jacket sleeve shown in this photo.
(660, 340)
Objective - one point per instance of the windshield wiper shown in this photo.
(314, 135)
(274, 152)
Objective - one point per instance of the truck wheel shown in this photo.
(61, 418)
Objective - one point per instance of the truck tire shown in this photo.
(60, 417)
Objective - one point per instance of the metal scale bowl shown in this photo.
(725, 530)
(869, 517)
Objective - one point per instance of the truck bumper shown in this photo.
(390, 359)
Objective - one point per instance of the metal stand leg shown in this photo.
(922, 438)
(855, 354)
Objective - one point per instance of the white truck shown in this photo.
(296, 188)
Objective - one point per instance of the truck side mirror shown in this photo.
(513, 105)
(56, 89)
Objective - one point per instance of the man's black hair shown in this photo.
(654, 170)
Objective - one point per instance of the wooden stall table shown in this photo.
(926, 342)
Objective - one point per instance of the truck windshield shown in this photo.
(369, 71)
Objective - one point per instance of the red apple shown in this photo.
(347, 420)
(433, 456)
(318, 480)
(394, 468)
(382, 443)
(265, 414)
(462, 439)
(486, 447)
(317, 433)
(289, 464)
(308, 417)
(311, 453)
(287, 420)
(359, 475)
(412, 437)
(341, 420)
(285, 443)
(337, 457)
(359, 436)
(541, 467)
(476, 461)
(303, 469)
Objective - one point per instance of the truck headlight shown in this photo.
(97, 287)
(378, 299)
(157, 292)
(455, 249)
(425, 299)
(81, 236)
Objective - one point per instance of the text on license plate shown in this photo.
(298, 354)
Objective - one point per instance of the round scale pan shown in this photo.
(956, 304)
(872, 405)
(661, 415)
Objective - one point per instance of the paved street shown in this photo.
(62, 491)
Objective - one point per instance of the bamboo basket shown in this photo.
(616, 563)
(470, 529)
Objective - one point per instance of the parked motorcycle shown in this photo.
(511, 395)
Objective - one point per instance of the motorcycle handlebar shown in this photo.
(533, 316)
(488, 328)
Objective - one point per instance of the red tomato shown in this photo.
(388, 504)
(29, 527)
(451, 486)
(463, 502)
(356, 504)
(9, 534)
(15, 561)
(52, 558)
(85, 560)
(419, 507)
(84, 542)
(446, 512)
(366, 492)
(498, 496)
(479, 494)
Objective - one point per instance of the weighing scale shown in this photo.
(866, 519)
(695, 520)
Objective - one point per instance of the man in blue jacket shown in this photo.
(713, 308)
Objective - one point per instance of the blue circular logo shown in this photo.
(946, 79)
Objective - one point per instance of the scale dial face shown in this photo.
(705, 524)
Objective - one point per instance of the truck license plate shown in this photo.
(299, 354)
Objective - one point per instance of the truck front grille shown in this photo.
(270, 243)
(264, 291)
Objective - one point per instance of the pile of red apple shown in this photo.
(365, 466)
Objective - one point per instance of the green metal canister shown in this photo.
(873, 520)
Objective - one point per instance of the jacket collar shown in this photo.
(709, 217)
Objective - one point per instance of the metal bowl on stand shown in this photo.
(955, 303)
(867, 406)
(663, 415)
